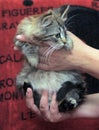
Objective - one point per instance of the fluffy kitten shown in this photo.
(48, 28)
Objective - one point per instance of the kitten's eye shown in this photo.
(57, 35)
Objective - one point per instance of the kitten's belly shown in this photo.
(47, 80)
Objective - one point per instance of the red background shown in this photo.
(14, 115)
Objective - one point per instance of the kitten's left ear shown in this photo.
(62, 12)
(46, 19)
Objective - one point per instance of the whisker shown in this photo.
(51, 50)
(68, 20)
(47, 50)
(51, 44)
(69, 24)
(49, 54)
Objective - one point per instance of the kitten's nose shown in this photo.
(64, 40)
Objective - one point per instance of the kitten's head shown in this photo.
(48, 27)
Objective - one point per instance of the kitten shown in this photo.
(48, 28)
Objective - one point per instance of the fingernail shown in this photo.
(15, 48)
(18, 36)
(28, 90)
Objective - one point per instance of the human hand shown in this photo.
(89, 109)
(61, 59)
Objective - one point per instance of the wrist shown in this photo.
(83, 57)
(90, 61)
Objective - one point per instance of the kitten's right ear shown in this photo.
(64, 14)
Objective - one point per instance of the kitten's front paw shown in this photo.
(23, 46)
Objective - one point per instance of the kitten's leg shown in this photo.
(23, 83)
(22, 77)
(70, 96)
(31, 55)
(30, 52)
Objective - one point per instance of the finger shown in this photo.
(15, 48)
(30, 101)
(54, 105)
(44, 106)
(21, 38)
(57, 116)
(44, 101)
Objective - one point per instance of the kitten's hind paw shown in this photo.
(68, 105)
(70, 96)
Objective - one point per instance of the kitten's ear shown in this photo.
(62, 12)
(46, 19)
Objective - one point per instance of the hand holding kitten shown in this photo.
(59, 59)
(82, 57)
(89, 109)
